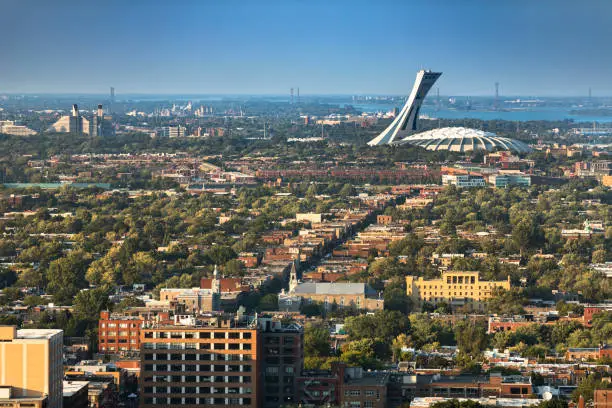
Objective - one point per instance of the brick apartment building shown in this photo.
(220, 360)
(343, 386)
(118, 333)
(213, 362)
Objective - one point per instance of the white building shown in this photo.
(172, 131)
(463, 180)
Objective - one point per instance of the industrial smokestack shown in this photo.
(100, 111)
(75, 110)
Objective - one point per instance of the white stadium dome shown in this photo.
(461, 139)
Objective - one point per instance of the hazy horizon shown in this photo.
(546, 48)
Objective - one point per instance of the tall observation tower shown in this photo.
(406, 121)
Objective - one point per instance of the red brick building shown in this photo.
(602, 399)
(343, 386)
(227, 285)
(118, 333)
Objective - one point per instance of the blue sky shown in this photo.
(532, 47)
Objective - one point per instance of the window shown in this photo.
(246, 335)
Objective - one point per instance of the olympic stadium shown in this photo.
(463, 140)
(455, 139)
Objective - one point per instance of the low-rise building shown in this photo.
(360, 296)
(76, 394)
(463, 180)
(343, 386)
(118, 333)
(602, 399)
(508, 180)
(455, 288)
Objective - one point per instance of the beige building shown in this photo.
(10, 128)
(359, 296)
(313, 218)
(8, 400)
(455, 288)
(31, 364)
(193, 300)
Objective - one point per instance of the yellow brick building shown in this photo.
(31, 364)
(455, 288)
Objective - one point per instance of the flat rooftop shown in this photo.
(37, 334)
(72, 387)
(425, 402)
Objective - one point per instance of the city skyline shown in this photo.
(341, 48)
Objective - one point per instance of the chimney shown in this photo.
(100, 111)
(581, 402)
(75, 110)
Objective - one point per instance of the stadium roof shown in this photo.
(461, 139)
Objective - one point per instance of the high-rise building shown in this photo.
(101, 124)
(282, 360)
(31, 364)
(73, 123)
(223, 360)
(406, 121)
(204, 362)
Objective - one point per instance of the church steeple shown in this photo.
(293, 280)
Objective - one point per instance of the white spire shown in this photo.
(215, 285)
(293, 281)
